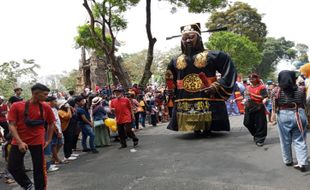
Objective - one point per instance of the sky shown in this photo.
(44, 30)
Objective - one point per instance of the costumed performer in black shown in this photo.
(198, 95)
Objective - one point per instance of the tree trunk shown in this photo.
(109, 52)
(119, 72)
(147, 74)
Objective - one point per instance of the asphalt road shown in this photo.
(167, 160)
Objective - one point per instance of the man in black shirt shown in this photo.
(17, 97)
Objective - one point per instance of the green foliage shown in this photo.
(107, 12)
(241, 19)
(274, 50)
(112, 11)
(69, 80)
(302, 51)
(303, 58)
(85, 38)
(62, 82)
(134, 62)
(243, 52)
(199, 6)
(11, 73)
(302, 48)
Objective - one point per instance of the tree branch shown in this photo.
(150, 52)
(97, 21)
(109, 23)
(92, 26)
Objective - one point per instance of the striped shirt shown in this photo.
(298, 98)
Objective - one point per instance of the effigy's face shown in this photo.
(189, 39)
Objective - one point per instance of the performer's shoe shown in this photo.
(259, 144)
(301, 168)
(135, 143)
(197, 132)
(289, 164)
(207, 133)
(122, 147)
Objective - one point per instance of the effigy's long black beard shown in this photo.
(189, 49)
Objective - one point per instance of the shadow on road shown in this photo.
(193, 136)
(272, 140)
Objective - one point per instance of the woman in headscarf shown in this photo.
(102, 137)
(255, 117)
(289, 104)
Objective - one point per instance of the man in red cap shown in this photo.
(122, 108)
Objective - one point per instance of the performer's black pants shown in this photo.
(170, 111)
(68, 140)
(257, 125)
(76, 132)
(16, 164)
(137, 117)
(125, 130)
(153, 119)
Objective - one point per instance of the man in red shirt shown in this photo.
(122, 108)
(3, 121)
(27, 121)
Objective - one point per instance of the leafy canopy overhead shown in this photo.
(241, 19)
(12, 73)
(85, 38)
(200, 6)
(274, 50)
(112, 11)
(302, 52)
(243, 51)
(134, 62)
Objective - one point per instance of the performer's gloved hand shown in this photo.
(211, 91)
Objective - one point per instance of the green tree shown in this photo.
(12, 72)
(134, 62)
(274, 50)
(199, 6)
(85, 39)
(69, 80)
(302, 53)
(241, 18)
(196, 6)
(243, 51)
(105, 19)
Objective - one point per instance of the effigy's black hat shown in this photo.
(191, 28)
(195, 28)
